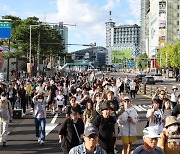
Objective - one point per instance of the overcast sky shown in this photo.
(88, 15)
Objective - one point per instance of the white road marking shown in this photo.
(50, 126)
(141, 108)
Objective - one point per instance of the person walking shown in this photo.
(105, 124)
(174, 96)
(71, 131)
(169, 138)
(5, 117)
(90, 144)
(155, 116)
(127, 122)
(150, 139)
(40, 117)
(22, 97)
(132, 86)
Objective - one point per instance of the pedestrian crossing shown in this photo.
(141, 107)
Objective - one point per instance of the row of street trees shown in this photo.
(49, 44)
(169, 55)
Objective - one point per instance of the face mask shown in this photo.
(3, 98)
(40, 100)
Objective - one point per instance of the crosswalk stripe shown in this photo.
(141, 108)
(136, 107)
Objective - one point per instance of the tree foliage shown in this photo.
(142, 61)
(49, 42)
(169, 55)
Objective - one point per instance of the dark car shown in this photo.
(139, 77)
(148, 80)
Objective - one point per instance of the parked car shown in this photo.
(158, 77)
(148, 80)
(139, 77)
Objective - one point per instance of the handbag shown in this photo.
(80, 140)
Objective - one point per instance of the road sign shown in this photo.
(5, 30)
(130, 64)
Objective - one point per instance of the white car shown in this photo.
(158, 77)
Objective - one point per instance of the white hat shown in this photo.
(127, 98)
(174, 87)
(151, 132)
(52, 82)
(78, 89)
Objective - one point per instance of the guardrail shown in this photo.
(150, 90)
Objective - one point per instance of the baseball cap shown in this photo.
(90, 130)
(127, 98)
(151, 132)
(105, 105)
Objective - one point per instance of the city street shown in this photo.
(22, 138)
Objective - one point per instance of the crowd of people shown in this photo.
(97, 110)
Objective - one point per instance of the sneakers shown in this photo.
(39, 140)
(42, 142)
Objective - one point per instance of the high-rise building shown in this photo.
(160, 24)
(63, 30)
(122, 42)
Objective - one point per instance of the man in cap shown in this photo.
(105, 124)
(170, 138)
(150, 139)
(90, 144)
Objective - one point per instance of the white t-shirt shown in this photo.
(157, 119)
(174, 96)
(132, 85)
(39, 89)
(60, 99)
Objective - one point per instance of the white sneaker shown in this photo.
(39, 140)
(42, 142)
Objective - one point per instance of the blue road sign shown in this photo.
(5, 30)
(130, 64)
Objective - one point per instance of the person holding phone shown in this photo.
(127, 122)
(155, 116)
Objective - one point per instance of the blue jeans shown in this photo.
(40, 122)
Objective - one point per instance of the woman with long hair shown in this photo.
(89, 114)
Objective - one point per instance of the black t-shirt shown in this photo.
(106, 131)
(77, 108)
(53, 89)
(67, 130)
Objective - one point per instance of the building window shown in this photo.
(178, 7)
(177, 22)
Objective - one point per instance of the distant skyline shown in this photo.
(88, 15)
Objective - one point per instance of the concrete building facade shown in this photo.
(160, 24)
(122, 38)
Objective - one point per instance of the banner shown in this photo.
(119, 56)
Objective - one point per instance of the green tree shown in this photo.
(142, 61)
(49, 42)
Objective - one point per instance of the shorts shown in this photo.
(128, 139)
(60, 106)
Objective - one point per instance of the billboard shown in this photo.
(162, 22)
(118, 56)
